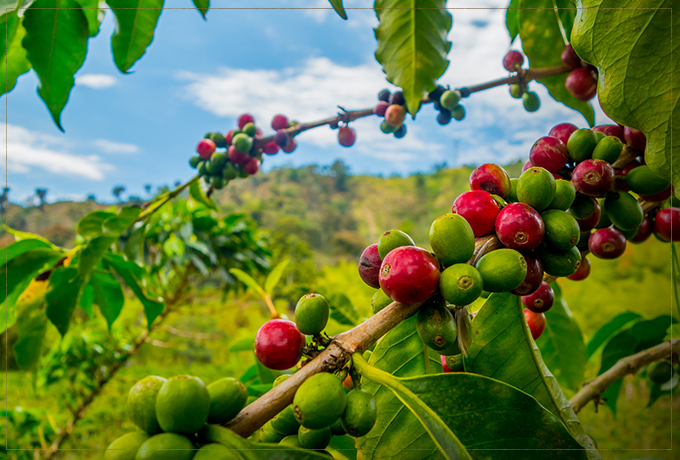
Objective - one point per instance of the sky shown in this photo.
(199, 75)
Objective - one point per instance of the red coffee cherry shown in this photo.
(290, 146)
(237, 157)
(593, 177)
(549, 153)
(562, 131)
(582, 272)
(409, 274)
(205, 148)
(534, 277)
(513, 61)
(540, 301)
(607, 243)
(244, 120)
(381, 108)
(278, 344)
(635, 138)
(570, 58)
(279, 122)
(252, 166)
(610, 130)
(536, 322)
(491, 178)
(667, 224)
(369, 266)
(346, 136)
(270, 148)
(520, 227)
(479, 209)
(581, 83)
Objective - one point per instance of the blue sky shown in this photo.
(198, 76)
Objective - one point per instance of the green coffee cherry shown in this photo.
(242, 142)
(291, 441)
(581, 144)
(202, 167)
(379, 301)
(643, 181)
(183, 404)
(536, 187)
(623, 210)
(194, 161)
(393, 239)
(249, 129)
(269, 434)
(141, 403)
(452, 239)
(360, 414)
(565, 194)
(387, 128)
(218, 139)
(319, 401)
(218, 159)
(166, 446)
(461, 284)
(600, 135)
(311, 314)
(125, 447)
(449, 99)
(583, 207)
(216, 182)
(561, 229)
(512, 196)
(314, 439)
(229, 172)
(336, 427)
(280, 379)
(604, 221)
(608, 149)
(458, 112)
(285, 421)
(531, 101)
(227, 397)
(437, 328)
(214, 451)
(516, 91)
(502, 270)
(213, 168)
(557, 262)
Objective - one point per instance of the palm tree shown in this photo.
(118, 190)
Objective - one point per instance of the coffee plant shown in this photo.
(453, 343)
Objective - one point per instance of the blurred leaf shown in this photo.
(91, 10)
(137, 21)
(134, 245)
(196, 192)
(562, 345)
(512, 19)
(93, 253)
(412, 45)
(638, 86)
(93, 223)
(13, 55)
(108, 295)
(543, 43)
(610, 328)
(503, 349)
(87, 300)
(249, 374)
(266, 375)
(56, 44)
(342, 310)
(117, 224)
(337, 6)
(31, 327)
(173, 246)
(401, 353)
(248, 281)
(656, 390)
(63, 295)
(274, 277)
(202, 6)
(445, 441)
(13, 250)
(19, 236)
(244, 344)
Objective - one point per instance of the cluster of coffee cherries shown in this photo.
(582, 80)
(222, 158)
(392, 107)
(447, 102)
(512, 62)
(326, 404)
(170, 415)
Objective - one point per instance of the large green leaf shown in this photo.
(92, 224)
(412, 45)
(342, 310)
(202, 6)
(93, 253)
(56, 43)
(108, 295)
(397, 432)
(562, 345)
(610, 328)
(640, 336)
(63, 295)
(493, 419)
(337, 6)
(14, 59)
(31, 328)
(19, 235)
(504, 350)
(447, 444)
(14, 250)
(634, 53)
(134, 245)
(117, 224)
(196, 192)
(512, 19)
(543, 42)
(137, 21)
(91, 10)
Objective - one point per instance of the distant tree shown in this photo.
(148, 188)
(177, 183)
(41, 193)
(118, 190)
(341, 172)
(91, 198)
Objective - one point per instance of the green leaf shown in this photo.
(137, 21)
(337, 6)
(91, 10)
(244, 344)
(504, 350)
(342, 310)
(132, 274)
(117, 224)
(13, 55)
(248, 281)
(274, 277)
(656, 390)
(19, 235)
(445, 441)
(412, 45)
(562, 345)
(134, 245)
(610, 328)
(108, 295)
(92, 224)
(640, 336)
(87, 300)
(31, 328)
(56, 43)
(93, 253)
(63, 295)
(14, 250)
(542, 42)
(202, 6)
(196, 192)
(397, 431)
(512, 19)
(632, 49)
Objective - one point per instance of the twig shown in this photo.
(628, 365)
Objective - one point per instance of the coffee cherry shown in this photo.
(667, 224)
(270, 148)
(292, 441)
(583, 207)
(244, 120)
(384, 95)
(278, 344)
(565, 195)
(445, 367)
(610, 130)
(381, 108)
(491, 178)
(531, 101)
(126, 446)
(397, 98)
(540, 301)
(516, 91)
(387, 128)
(314, 439)
(252, 166)
(444, 117)
(536, 322)
(194, 161)
(607, 243)
(643, 181)
(237, 157)
(360, 413)
(452, 239)
(635, 138)
(502, 270)
(369, 266)
(585, 225)
(644, 231)
(513, 61)
(436, 94)
(409, 274)
(534, 276)
(461, 284)
(536, 187)
(282, 138)
(249, 129)
(581, 144)
(527, 165)
(479, 209)
(141, 404)
(520, 227)
(346, 136)
(560, 262)
(157, 448)
(562, 131)
(242, 142)
(319, 401)
(549, 153)
(285, 421)
(311, 314)
(582, 272)
(279, 122)
(608, 149)
(581, 84)
(449, 99)
(227, 397)
(230, 136)
(593, 177)
(183, 405)
(395, 114)
(570, 58)
(400, 132)
(391, 240)
(205, 148)
(290, 146)
(561, 229)
(436, 327)
(661, 196)
(624, 210)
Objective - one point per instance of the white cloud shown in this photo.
(29, 149)
(115, 147)
(96, 80)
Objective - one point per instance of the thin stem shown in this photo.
(559, 23)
